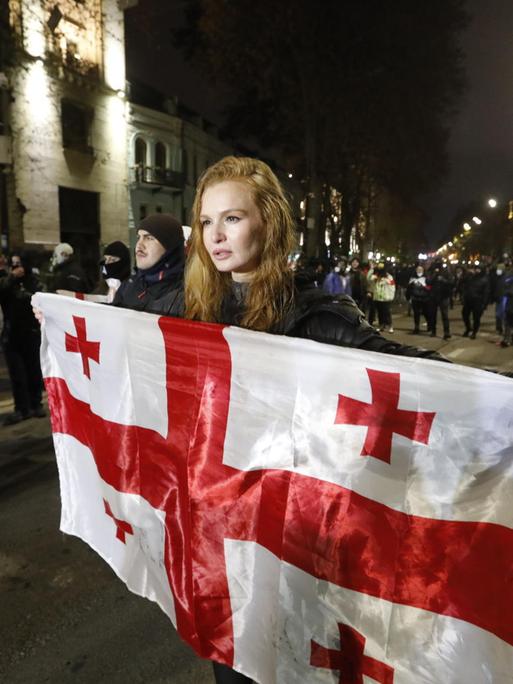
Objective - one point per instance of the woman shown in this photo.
(242, 235)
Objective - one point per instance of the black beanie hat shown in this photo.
(120, 269)
(117, 249)
(165, 228)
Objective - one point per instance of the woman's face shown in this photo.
(232, 229)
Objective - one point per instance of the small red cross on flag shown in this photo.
(81, 345)
(383, 418)
(122, 527)
(350, 660)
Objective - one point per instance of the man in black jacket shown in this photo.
(440, 284)
(476, 292)
(67, 273)
(21, 339)
(157, 286)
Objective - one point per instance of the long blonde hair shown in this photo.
(270, 293)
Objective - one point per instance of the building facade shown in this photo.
(169, 147)
(64, 151)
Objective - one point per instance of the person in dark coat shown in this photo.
(21, 339)
(358, 284)
(157, 285)
(115, 267)
(476, 292)
(66, 272)
(507, 306)
(440, 285)
(497, 280)
(417, 292)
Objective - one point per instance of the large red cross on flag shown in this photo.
(261, 525)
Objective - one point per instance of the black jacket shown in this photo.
(69, 276)
(164, 297)
(441, 284)
(15, 296)
(476, 288)
(417, 290)
(329, 319)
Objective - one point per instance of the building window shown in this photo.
(143, 211)
(160, 156)
(76, 120)
(141, 150)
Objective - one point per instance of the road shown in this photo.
(65, 616)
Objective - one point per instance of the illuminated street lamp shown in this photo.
(492, 202)
(467, 226)
(477, 220)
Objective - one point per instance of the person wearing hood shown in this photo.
(157, 285)
(66, 272)
(441, 285)
(115, 267)
(476, 291)
(21, 339)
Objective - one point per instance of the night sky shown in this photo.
(481, 145)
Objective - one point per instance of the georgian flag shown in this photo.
(302, 512)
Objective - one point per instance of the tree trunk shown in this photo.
(313, 238)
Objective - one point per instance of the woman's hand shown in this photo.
(38, 314)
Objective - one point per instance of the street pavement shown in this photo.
(65, 616)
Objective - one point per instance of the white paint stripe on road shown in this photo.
(457, 352)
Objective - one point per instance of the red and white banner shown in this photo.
(302, 512)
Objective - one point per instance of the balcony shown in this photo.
(152, 175)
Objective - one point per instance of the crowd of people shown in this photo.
(237, 270)
(431, 288)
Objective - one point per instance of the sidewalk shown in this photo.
(30, 439)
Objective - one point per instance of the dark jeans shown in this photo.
(371, 311)
(384, 314)
(443, 305)
(225, 675)
(420, 307)
(22, 358)
(472, 309)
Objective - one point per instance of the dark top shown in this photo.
(158, 289)
(476, 288)
(325, 318)
(69, 276)
(15, 296)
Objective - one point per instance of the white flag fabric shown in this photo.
(302, 512)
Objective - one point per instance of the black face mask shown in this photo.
(117, 270)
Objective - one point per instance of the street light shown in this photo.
(477, 220)
(492, 202)
(467, 226)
